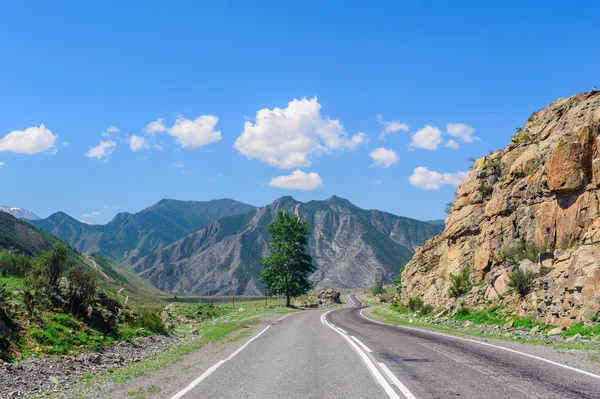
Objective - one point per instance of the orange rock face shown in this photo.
(541, 191)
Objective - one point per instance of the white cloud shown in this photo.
(289, 137)
(178, 165)
(464, 133)
(157, 126)
(452, 144)
(391, 127)
(383, 157)
(90, 215)
(2, 164)
(431, 180)
(29, 141)
(428, 138)
(195, 133)
(377, 183)
(106, 147)
(137, 143)
(298, 180)
(65, 143)
(112, 206)
(102, 150)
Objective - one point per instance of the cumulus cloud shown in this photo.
(2, 164)
(137, 143)
(429, 138)
(29, 141)
(431, 180)
(289, 137)
(391, 127)
(298, 180)
(383, 157)
(452, 144)
(195, 133)
(464, 133)
(90, 215)
(155, 127)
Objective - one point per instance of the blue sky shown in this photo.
(80, 68)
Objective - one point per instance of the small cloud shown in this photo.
(377, 183)
(431, 180)
(391, 127)
(2, 164)
(90, 215)
(178, 165)
(428, 138)
(32, 140)
(155, 127)
(137, 143)
(112, 206)
(298, 180)
(464, 133)
(383, 157)
(65, 143)
(157, 147)
(106, 147)
(195, 133)
(452, 144)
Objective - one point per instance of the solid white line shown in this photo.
(397, 382)
(215, 367)
(486, 344)
(366, 349)
(289, 315)
(350, 299)
(345, 332)
(378, 376)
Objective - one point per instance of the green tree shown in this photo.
(287, 268)
(81, 286)
(54, 264)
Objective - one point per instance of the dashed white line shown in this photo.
(215, 367)
(397, 382)
(366, 349)
(485, 344)
(376, 373)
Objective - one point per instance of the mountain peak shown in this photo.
(19, 213)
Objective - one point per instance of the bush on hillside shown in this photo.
(53, 263)
(151, 321)
(459, 283)
(14, 265)
(81, 287)
(521, 281)
(377, 289)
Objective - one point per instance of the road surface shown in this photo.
(342, 354)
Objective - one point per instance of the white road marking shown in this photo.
(345, 332)
(351, 300)
(376, 373)
(365, 348)
(397, 382)
(487, 344)
(289, 315)
(215, 367)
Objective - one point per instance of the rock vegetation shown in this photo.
(530, 211)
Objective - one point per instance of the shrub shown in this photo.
(81, 286)
(448, 208)
(151, 321)
(426, 309)
(521, 281)
(459, 283)
(524, 250)
(35, 287)
(16, 265)
(53, 263)
(415, 304)
(377, 289)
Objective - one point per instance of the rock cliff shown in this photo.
(532, 207)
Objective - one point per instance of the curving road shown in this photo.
(342, 354)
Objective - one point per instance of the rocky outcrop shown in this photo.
(540, 192)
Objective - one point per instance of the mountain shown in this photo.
(352, 247)
(439, 222)
(129, 237)
(535, 204)
(19, 236)
(19, 213)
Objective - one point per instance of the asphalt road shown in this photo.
(342, 354)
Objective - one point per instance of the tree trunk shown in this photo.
(288, 299)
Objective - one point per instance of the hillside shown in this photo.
(129, 237)
(19, 236)
(532, 210)
(351, 247)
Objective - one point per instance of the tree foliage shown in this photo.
(82, 283)
(287, 268)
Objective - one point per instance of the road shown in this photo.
(342, 354)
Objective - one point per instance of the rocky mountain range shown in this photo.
(129, 237)
(352, 247)
(533, 206)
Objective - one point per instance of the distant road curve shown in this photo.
(342, 354)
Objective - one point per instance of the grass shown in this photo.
(579, 328)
